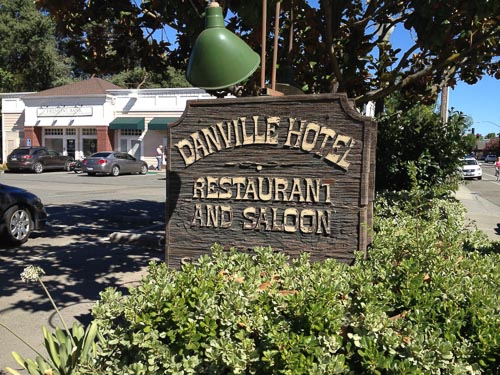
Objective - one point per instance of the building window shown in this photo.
(89, 131)
(70, 131)
(50, 131)
(131, 132)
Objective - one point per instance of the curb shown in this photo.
(147, 240)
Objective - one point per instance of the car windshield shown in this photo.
(470, 162)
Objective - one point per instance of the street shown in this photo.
(488, 187)
(75, 250)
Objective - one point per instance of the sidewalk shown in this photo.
(486, 215)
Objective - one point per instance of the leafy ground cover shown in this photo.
(424, 301)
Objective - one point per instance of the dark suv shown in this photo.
(37, 159)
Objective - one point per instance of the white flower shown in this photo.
(32, 273)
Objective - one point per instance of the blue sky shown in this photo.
(481, 102)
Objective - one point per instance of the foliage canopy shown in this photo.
(340, 46)
(29, 56)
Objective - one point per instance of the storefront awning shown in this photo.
(160, 123)
(134, 123)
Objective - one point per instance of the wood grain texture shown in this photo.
(236, 168)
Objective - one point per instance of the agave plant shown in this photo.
(67, 349)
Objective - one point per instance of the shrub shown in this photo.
(229, 313)
(424, 302)
(416, 135)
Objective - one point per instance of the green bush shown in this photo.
(424, 302)
(416, 135)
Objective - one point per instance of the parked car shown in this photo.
(37, 159)
(490, 158)
(471, 169)
(21, 212)
(113, 163)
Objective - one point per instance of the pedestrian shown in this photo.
(159, 157)
(497, 168)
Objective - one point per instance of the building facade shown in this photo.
(93, 115)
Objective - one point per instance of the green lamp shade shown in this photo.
(219, 58)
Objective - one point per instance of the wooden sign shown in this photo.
(294, 172)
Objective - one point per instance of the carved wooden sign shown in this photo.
(294, 172)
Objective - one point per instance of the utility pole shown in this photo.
(444, 105)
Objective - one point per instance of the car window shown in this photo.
(53, 153)
(122, 156)
(100, 155)
(41, 152)
(129, 157)
(21, 151)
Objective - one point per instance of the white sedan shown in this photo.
(471, 169)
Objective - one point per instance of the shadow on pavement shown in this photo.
(81, 265)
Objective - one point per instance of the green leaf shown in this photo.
(12, 371)
(19, 359)
(89, 338)
(51, 347)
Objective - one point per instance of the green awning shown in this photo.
(134, 123)
(160, 123)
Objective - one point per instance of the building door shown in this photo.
(89, 146)
(71, 147)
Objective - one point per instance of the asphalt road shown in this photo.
(481, 198)
(77, 250)
(488, 187)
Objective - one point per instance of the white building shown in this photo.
(93, 115)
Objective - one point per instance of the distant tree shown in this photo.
(470, 141)
(139, 78)
(29, 56)
(342, 46)
(492, 147)
(490, 136)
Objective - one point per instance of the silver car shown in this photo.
(491, 158)
(113, 163)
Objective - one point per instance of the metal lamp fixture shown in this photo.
(219, 58)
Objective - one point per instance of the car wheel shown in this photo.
(18, 225)
(144, 169)
(480, 178)
(115, 171)
(38, 167)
